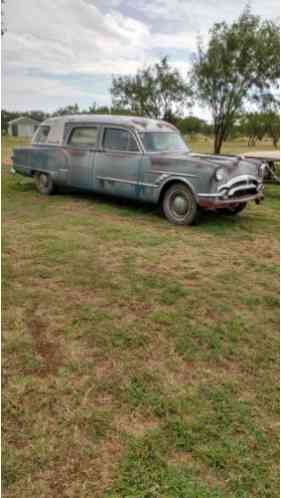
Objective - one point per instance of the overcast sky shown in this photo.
(61, 52)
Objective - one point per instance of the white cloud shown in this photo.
(182, 40)
(49, 44)
(202, 14)
(69, 33)
(65, 39)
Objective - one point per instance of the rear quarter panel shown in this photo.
(21, 160)
(52, 160)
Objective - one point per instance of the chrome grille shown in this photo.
(240, 186)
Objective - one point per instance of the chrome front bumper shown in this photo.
(243, 188)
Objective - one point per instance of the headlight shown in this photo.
(219, 174)
(262, 169)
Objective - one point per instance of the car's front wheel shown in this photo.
(44, 183)
(179, 205)
(233, 210)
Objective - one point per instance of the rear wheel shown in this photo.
(179, 205)
(233, 210)
(44, 183)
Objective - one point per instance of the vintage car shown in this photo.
(137, 158)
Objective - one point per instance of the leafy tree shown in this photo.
(252, 126)
(69, 109)
(38, 115)
(271, 117)
(157, 91)
(257, 125)
(191, 125)
(7, 116)
(92, 109)
(272, 125)
(240, 64)
(102, 110)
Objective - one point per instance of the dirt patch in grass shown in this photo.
(105, 369)
(76, 475)
(110, 453)
(134, 424)
(180, 458)
(49, 352)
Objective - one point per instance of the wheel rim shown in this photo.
(179, 205)
(43, 180)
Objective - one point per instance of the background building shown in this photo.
(22, 127)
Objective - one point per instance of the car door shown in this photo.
(118, 163)
(81, 150)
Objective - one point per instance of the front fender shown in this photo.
(175, 179)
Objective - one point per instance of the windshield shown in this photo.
(163, 142)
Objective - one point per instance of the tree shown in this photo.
(102, 110)
(38, 115)
(69, 109)
(272, 126)
(270, 110)
(7, 116)
(156, 91)
(240, 64)
(191, 125)
(92, 109)
(252, 126)
(257, 125)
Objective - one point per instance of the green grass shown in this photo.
(237, 146)
(140, 359)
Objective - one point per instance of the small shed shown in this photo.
(23, 126)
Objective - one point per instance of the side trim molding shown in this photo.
(128, 182)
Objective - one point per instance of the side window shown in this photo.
(118, 139)
(132, 145)
(42, 134)
(83, 136)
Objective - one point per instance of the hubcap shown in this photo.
(180, 205)
(44, 180)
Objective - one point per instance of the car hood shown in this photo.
(179, 163)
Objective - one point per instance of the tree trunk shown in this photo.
(219, 135)
(275, 142)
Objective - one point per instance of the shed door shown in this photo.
(14, 130)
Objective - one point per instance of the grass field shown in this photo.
(140, 360)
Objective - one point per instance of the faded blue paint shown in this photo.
(135, 175)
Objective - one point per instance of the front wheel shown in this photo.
(233, 210)
(179, 205)
(44, 183)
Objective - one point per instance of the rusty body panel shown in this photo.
(134, 171)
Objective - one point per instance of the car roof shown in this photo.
(139, 123)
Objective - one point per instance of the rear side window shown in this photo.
(118, 139)
(42, 134)
(84, 136)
